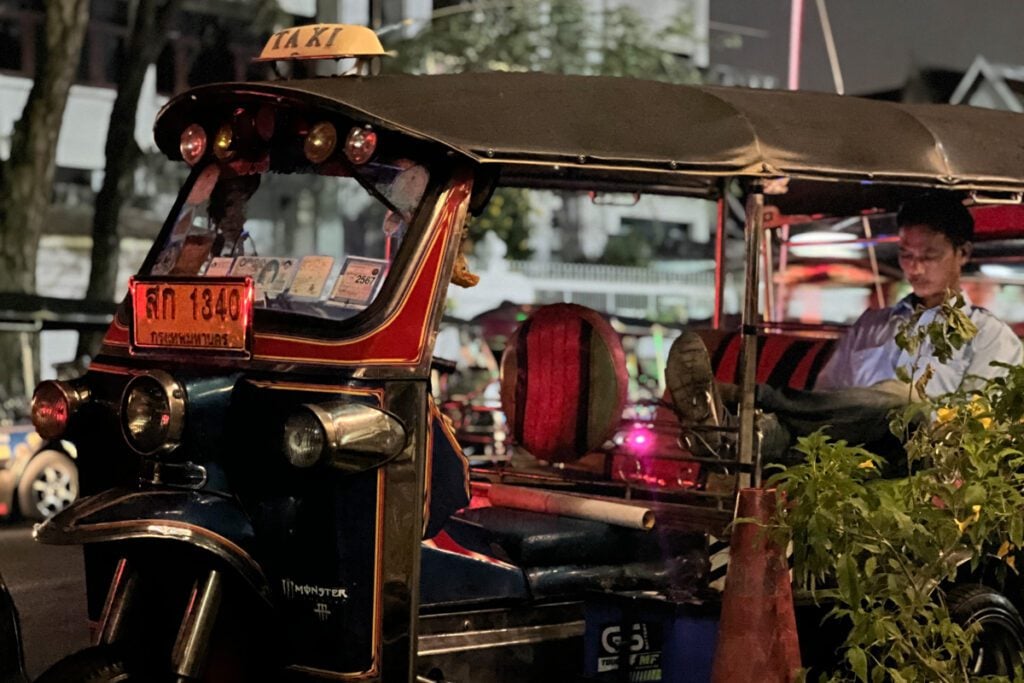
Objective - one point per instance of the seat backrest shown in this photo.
(784, 360)
(563, 382)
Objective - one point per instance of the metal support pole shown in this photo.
(782, 292)
(769, 276)
(716, 320)
(748, 449)
(189, 654)
(873, 258)
(123, 587)
(28, 366)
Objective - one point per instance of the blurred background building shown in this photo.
(913, 50)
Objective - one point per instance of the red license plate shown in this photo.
(202, 314)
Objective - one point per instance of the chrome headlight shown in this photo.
(304, 439)
(153, 412)
(351, 437)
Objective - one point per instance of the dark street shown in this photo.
(49, 590)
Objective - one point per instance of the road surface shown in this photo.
(48, 586)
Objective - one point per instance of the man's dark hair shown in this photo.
(942, 213)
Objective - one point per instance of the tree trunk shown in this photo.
(146, 40)
(568, 215)
(26, 177)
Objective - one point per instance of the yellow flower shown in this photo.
(1004, 549)
(986, 422)
(975, 516)
(944, 415)
(866, 465)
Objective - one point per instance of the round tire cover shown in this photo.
(563, 382)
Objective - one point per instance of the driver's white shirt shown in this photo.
(868, 355)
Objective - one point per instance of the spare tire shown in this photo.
(999, 645)
(563, 382)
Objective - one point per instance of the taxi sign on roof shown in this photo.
(321, 41)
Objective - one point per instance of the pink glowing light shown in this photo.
(640, 440)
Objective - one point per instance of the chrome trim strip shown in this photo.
(446, 643)
(194, 535)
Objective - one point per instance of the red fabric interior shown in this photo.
(784, 360)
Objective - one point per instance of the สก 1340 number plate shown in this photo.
(196, 314)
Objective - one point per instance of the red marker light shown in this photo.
(360, 145)
(193, 144)
(53, 403)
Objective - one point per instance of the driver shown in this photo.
(859, 385)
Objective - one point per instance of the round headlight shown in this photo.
(153, 412)
(193, 144)
(320, 143)
(304, 438)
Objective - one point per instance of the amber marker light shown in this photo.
(360, 145)
(222, 142)
(321, 142)
(193, 144)
(53, 404)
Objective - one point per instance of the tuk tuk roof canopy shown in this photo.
(578, 130)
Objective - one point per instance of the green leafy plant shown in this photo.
(882, 552)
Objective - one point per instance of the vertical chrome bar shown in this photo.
(123, 587)
(781, 291)
(769, 276)
(716, 320)
(748, 349)
(190, 648)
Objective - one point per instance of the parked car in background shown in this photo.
(37, 478)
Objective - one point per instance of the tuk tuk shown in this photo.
(268, 491)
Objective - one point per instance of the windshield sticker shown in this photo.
(219, 266)
(275, 274)
(408, 188)
(271, 273)
(247, 265)
(358, 282)
(312, 276)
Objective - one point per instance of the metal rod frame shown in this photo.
(716, 320)
(123, 587)
(753, 230)
(188, 658)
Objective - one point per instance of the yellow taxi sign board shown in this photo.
(321, 41)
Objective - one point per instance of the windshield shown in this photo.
(314, 244)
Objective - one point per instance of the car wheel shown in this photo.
(48, 485)
(1000, 643)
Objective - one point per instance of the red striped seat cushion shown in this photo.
(783, 360)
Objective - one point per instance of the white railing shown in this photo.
(589, 272)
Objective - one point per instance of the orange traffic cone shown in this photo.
(757, 638)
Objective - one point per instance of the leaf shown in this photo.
(974, 494)
(858, 662)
